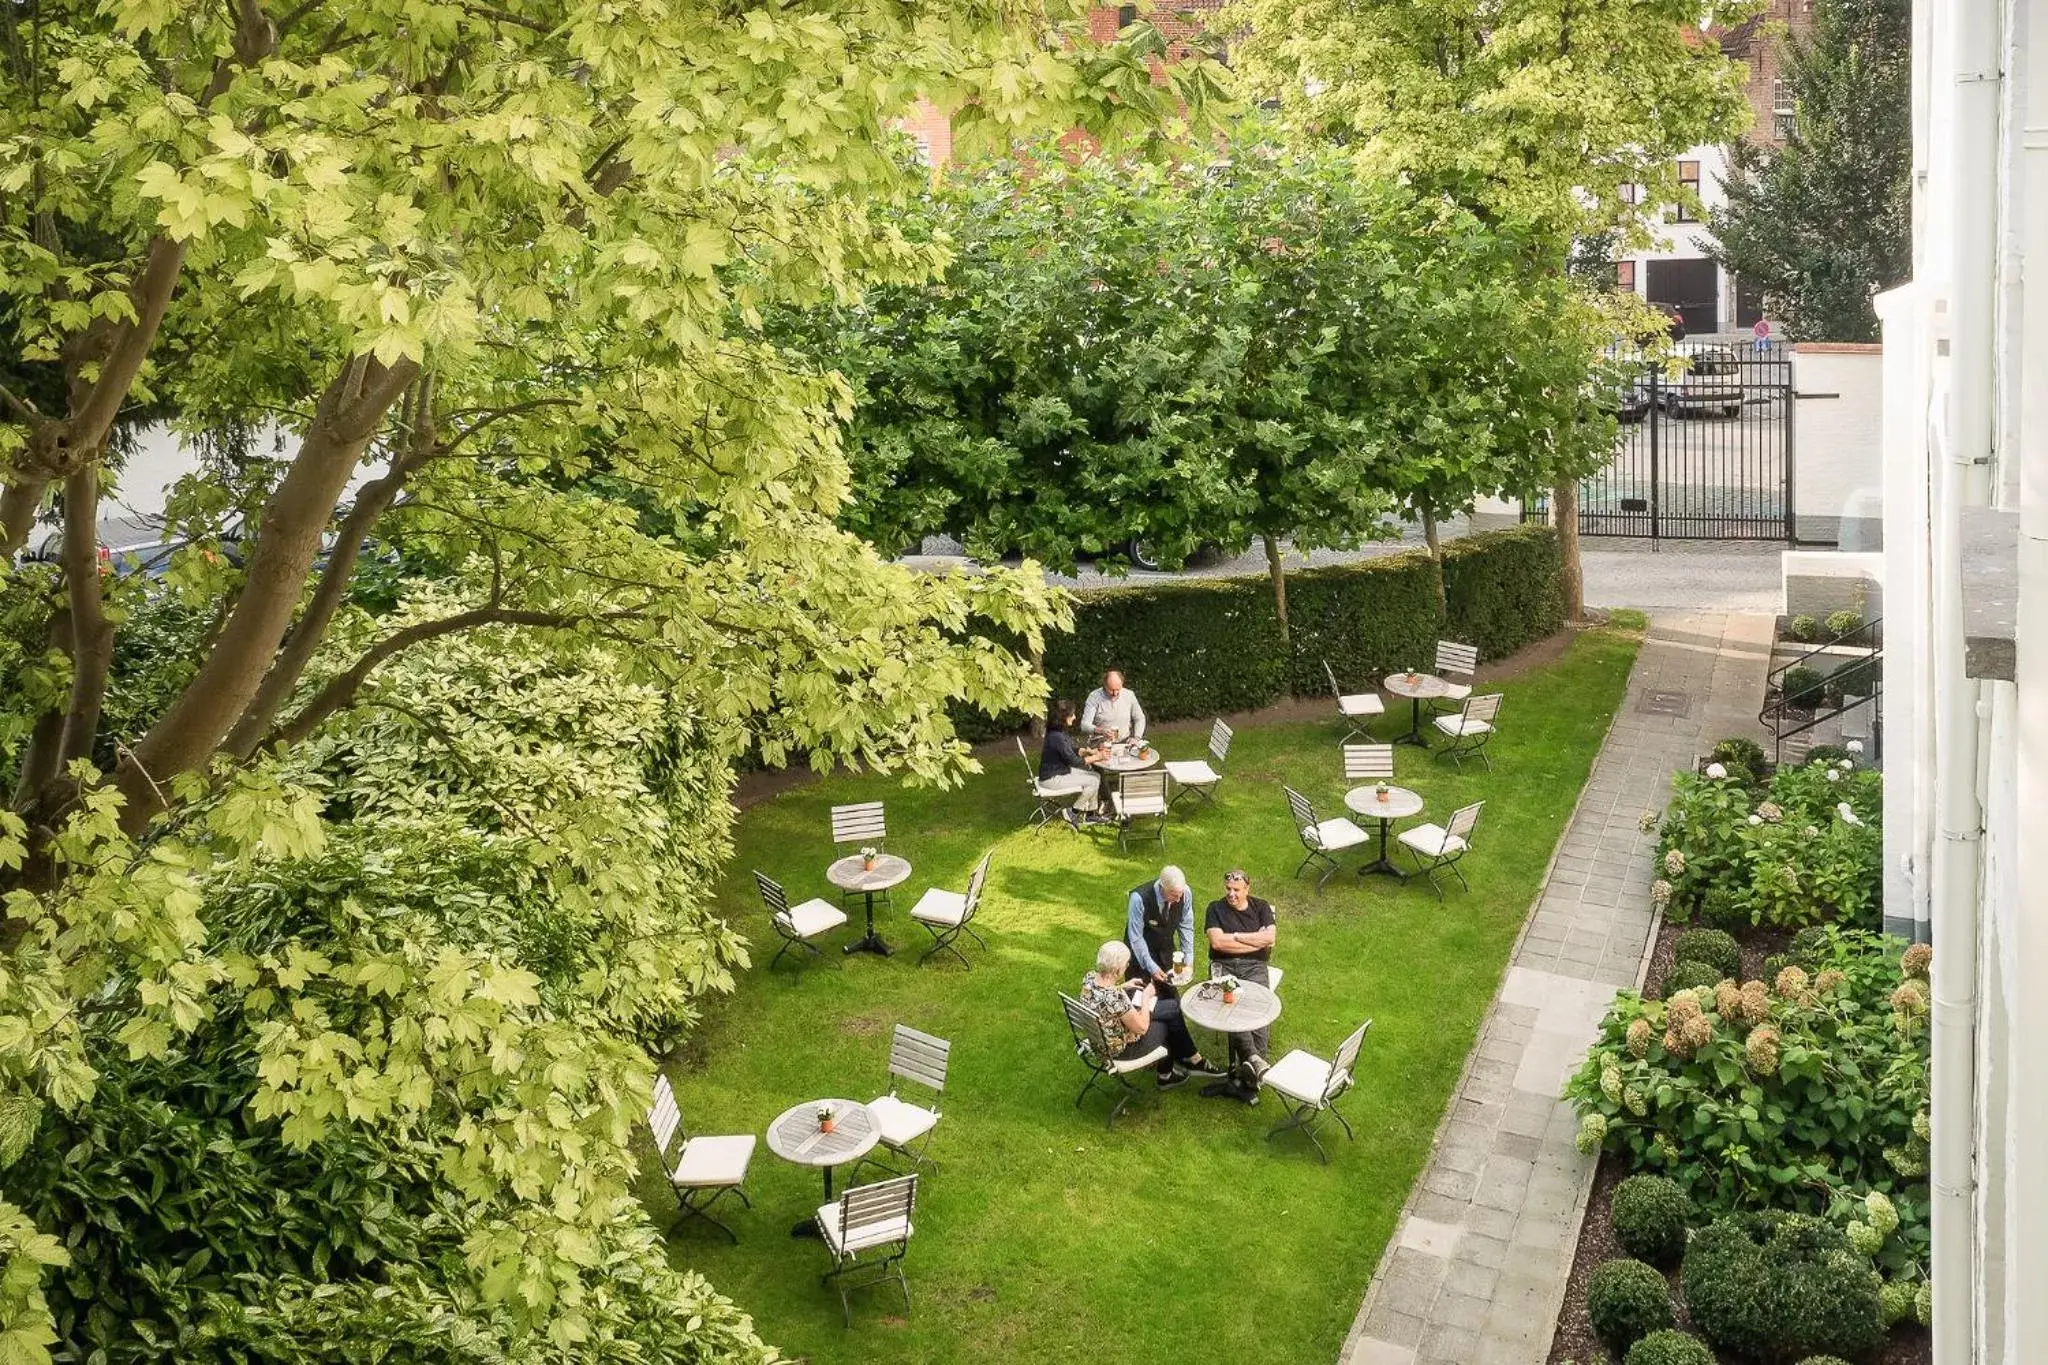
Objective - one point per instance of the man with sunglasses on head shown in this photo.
(1241, 932)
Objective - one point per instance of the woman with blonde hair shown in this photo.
(1136, 1020)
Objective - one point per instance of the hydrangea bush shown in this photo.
(1803, 848)
(1804, 1093)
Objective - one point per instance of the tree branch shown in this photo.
(18, 506)
(92, 636)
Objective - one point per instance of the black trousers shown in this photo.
(1168, 1030)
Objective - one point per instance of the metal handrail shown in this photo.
(1869, 631)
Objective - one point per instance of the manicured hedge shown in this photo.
(1203, 646)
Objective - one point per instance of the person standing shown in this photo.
(1241, 931)
(1113, 708)
(1159, 925)
(1063, 768)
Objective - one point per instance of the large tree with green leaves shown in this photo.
(1538, 115)
(493, 275)
(1824, 222)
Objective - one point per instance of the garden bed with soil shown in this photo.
(1575, 1342)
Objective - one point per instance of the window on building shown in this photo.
(1625, 276)
(1631, 194)
(1126, 15)
(1784, 109)
(1689, 182)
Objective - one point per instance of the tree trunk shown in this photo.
(18, 506)
(1436, 559)
(92, 635)
(1278, 569)
(1564, 514)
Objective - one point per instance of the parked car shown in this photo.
(1709, 379)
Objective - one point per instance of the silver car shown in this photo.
(1709, 379)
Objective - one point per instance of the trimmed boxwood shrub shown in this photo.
(1669, 1348)
(1801, 686)
(1823, 1360)
(1649, 1214)
(1743, 758)
(1781, 1286)
(1805, 629)
(1626, 1301)
(1200, 647)
(1686, 975)
(1714, 947)
(1845, 622)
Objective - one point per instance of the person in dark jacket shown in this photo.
(1063, 768)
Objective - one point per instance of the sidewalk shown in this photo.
(1476, 1270)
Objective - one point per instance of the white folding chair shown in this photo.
(869, 1218)
(1455, 661)
(1322, 838)
(1469, 729)
(863, 824)
(948, 914)
(700, 1170)
(1195, 776)
(1440, 849)
(1140, 796)
(1368, 763)
(1355, 707)
(798, 924)
(1091, 1045)
(1049, 803)
(907, 1128)
(1310, 1087)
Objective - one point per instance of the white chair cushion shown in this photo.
(1362, 704)
(711, 1161)
(1333, 835)
(1151, 1058)
(1138, 805)
(1300, 1076)
(900, 1122)
(814, 917)
(1457, 691)
(1431, 841)
(1461, 725)
(873, 1235)
(1193, 773)
(938, 906)
(1273, 975)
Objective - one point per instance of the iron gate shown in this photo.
(1703, 452)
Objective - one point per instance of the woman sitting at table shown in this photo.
(1063, 768)
(1136, 1020)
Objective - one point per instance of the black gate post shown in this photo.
(1656, 419)
(1791, 426)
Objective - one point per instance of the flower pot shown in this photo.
(1230, 997)
(825, 1125)
(867, 864)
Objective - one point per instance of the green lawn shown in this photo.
(1044, 1237)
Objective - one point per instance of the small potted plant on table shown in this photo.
(867, 858)
(1229, 986)
(827, 1117)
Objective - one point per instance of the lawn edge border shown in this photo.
(1578, 1216)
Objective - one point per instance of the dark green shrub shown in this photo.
(1649, 1214)
(1828, 754)
(1669, 1348)
(1626, 1301)
(1686, 975)
(1714, 947)
(1805, 629)
(1743, 758)
(1858, 679)
(1200, 647)
(1719, 909)
(1840, 623)
(1823, 1360)
(1801, 686)
(1781, 1286)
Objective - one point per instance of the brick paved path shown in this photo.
(1477, 1267)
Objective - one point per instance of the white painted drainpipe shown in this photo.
(1963, 442)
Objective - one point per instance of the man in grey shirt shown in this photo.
(1114, 707)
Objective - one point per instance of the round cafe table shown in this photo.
(1418, 688)
(1124, 758)
(1256, 1007)
(796, 1138)
(850, 874)
(1398, 804)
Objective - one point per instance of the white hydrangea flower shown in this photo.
(1756, 819)
(1854, 746)
(1848, 815)
(1834, 775)
(1716, 771)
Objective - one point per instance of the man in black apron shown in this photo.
(1159, 924)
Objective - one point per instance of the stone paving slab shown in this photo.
(1476, 1270)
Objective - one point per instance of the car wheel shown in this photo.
(1139, 551)
(1732, 410)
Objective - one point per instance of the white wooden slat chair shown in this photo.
(1310, 1087)
(1368, 763)
(1455, 664)
(865, 825)
(1049, 803)
(1196, 776)
(1469, 728)
(1355, 707)
(1091, 1045)
(798, 924)
(948, 914)
(865, 1219)
(701, 1170)
(907, 1128)
(1440, 848)
(1323, 839)
(1140, 796)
